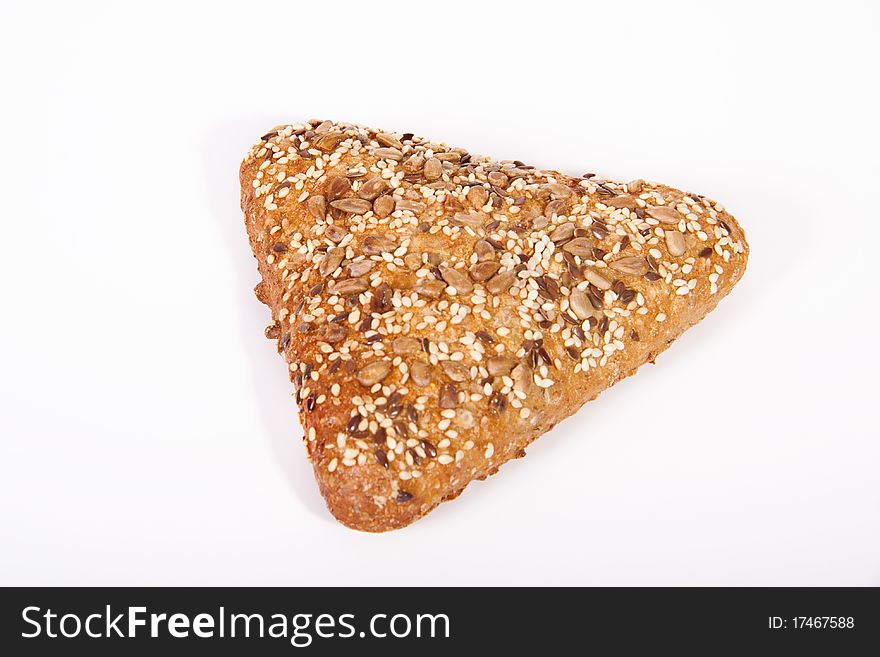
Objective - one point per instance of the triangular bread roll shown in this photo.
(439, 310)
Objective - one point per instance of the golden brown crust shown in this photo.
(439, 311)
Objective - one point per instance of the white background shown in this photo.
(148, 432)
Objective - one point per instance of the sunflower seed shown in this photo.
(335, 233)
(597, 279)
(455, 370)
(328, 142)
(472, 219)
(359, 268)
(381, 301)
(433, 169)
(420, 373)
(331, 261)
(332, 333)
(664, 214)
(484, 251)
(370, 375)
(453, 204)
(622, 201)
(351, 286)
(675, 242)
(337, 188)
(555, 208)
(413, 261)
(630, 265)
(430, 288)
(383, 206)
(406, 345)
(498, 179)
(412, 206)
(456, 279)
(388, 154)
(557, 191)
(414, 164)
(317, 206)
(483, 271)
(580, 304)
(372, 188)
(562, 233)
(448, 397)
(378, 244)
(388, 139)
(352, 205)
(500, 283)
(579, 246)
(478, 196)
(500, 365)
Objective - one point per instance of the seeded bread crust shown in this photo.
(439, 311)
